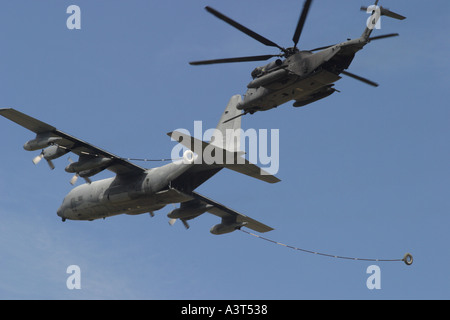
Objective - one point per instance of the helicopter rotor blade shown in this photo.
(384, 36)
(230, 60)
(385, 12)
(235, 117)
(243, 29)
(50, 164)
(354, 76)
(301, 22)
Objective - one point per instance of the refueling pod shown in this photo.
(226, 227)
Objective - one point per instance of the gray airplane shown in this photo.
(135, 190)
(304, 76)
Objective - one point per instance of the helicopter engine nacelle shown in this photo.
(268, 78)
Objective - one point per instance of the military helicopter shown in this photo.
(304, 76)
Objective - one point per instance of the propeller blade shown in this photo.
(391, 14)
(230, 60)
(186, 225)
(354, 76)
(88, 181)
(386, 12)
(38, 159)
(243, 29)
(384, 36)
(50, 164)
(74, 179)
(301, 22)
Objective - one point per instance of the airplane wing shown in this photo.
(69, 143)
(228, 214)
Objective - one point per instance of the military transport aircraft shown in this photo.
(304, 76)
(135, 190)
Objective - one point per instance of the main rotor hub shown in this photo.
(291, 51)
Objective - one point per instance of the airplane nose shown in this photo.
(60, 212)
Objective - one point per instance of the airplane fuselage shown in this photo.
(131, 195)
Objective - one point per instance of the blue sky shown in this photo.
(365, 172)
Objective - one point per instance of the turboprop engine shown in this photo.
(86, 168)
(51, 153)
(189, 212)
(88, 164)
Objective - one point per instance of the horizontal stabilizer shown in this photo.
(210, 154)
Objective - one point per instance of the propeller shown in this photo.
(74, 179)
(185, 224)
(77, 175)
(286, 52)
(172, 221)
(38, 159)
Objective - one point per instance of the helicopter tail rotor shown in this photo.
(376, 12)
(384, 12)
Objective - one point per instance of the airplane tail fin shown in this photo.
(227, 133)
(224, 148)
(212, 155)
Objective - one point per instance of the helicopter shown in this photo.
(304, 76)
